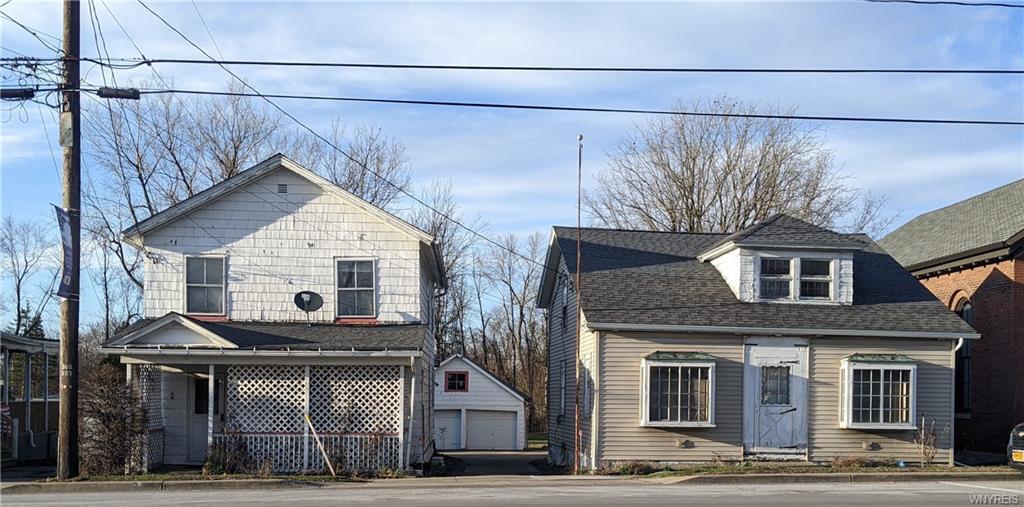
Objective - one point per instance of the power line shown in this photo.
(207, 28)
(536, 107)
(35, 33)
(950, 2)
(128, 63)
(326, 141)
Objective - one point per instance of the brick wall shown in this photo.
(996, 292)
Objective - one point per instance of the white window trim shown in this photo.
(376, 289)
(830, 278)
(224, 285)
(645, 391)
(846, 395)
(794, 277)
(790, 277)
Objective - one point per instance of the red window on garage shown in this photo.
(456, 381)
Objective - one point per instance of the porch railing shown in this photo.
(294, 452)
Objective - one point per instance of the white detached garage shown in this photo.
(473, 409)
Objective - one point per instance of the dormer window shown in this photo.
(795, 279)
(776, 277)
(815, 279)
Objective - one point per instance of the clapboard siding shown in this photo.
(562, 350)
(620, 436)
(279, 244)
(483, 394)
(934, 399)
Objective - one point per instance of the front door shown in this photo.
(198, 417)
(775, 397)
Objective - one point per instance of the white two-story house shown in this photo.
(278, 306)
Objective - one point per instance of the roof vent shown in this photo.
(282, 188)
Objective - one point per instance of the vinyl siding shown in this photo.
(620, 436)
(483, 394)
(279, 244)
(934, 399)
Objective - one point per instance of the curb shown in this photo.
(808, 478)
(133, 486)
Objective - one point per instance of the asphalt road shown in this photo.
(864, 494)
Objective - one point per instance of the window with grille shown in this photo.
(775, 385)
(456, 381)
(204, 285)
(678, 393)
(878, 395)
(815, 279)
(776, 278)
(965, 309)
(356, 288)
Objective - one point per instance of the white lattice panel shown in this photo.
(355, 399)
(266, 398)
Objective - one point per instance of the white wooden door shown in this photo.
(775, 396)
(448, 429)
(198, 397)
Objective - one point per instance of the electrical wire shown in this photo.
(950, 2)
(536, 107)
(130, 63)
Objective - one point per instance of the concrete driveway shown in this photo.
(498, 462)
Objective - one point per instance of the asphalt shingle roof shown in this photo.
(987, 219)
(787, 230)
(640, 277)
(300, 336)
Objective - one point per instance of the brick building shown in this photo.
(971, 256)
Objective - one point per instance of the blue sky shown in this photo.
(517, 168)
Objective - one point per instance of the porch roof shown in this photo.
(291, 335)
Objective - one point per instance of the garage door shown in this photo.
(448, 429)
(490, 430)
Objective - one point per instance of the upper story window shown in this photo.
(204, 285)
(456, 381)
(783, 278)
(815, 279)
(356, 288)
(776, 277)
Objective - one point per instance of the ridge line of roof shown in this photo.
(957, 203)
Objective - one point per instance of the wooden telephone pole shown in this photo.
(70, 136)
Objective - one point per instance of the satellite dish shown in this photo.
(308, 301)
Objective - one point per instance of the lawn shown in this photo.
(536, 441)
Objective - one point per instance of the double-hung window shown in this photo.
(815, 279)
(204, 285)
(878, 392)
(357, 291)
(776, 277)
(678, 390)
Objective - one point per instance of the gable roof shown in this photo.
(988, 222)
(246, 335)
(784, 231)
(277, 161)
(485, 372)
(655, 281)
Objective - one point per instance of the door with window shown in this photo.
(775, 396)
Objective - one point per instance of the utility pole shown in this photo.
(70, 136)
(576, 435)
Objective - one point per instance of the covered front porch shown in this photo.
(288, 418)
(28, 398)
(280, 397)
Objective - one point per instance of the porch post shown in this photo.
(305, 427)
(209, 409)
(46, 397)
(27, 373)
(401, 418)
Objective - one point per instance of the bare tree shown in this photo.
(455, 245)
(28, 258)
(375, 169)
(713, 173)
